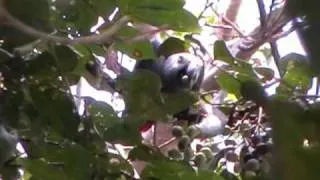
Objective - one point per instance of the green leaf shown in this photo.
(81, 15)
(151, 4)
(49, 67)
(18, 9)
(137, 50)
(143, 98)
(146, 153)
(103, 115)
(222, 53)
(244, 68)
(103, 7)
(66, 58)
(171, 46)
(169, 170)
(208, 175)
(85, 55)
(229, 83)
(68, 158)
(142, 94)
(39, 169)
(10, 172)
(114, 164)
(297, 78)
(125, 132)
(11, 107)
(175, 102)
(183, 20)
(56, 110)
(97, 49)
(38, 20)
(252, 90)
(296, 74)
(287, 118)
(76, 168)
(285, 61)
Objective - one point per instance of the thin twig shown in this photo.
(167, 143)
(10, 55)
(283, 34)
(155, 133)
(233, 25)
(197, 42)
(208, 5)
(218, 26)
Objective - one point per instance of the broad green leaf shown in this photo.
(175, 102)
(222, 53)
(208, 175)
(56, 110)
(183, 20)
(48, 66)
(146, 153)
(81, 15)
(84, 56)
(77, 17)
(66, 59)
(103, 7)
(288, 138)
(252, 90)
(38, 20)
(142, 94)
(296, 74)
(171, 46)
(68, 156)
(124, 132)
(75, 168)
(151, 4)
(24, 10)
(229, 84)
(97, 49)
(244, 68)
(137, 50)
(143, 98)
(114, 164)
(169, 170)
(160, 13)
(11, 107)
(284, 62)
(311, 122)
(39, 169)
(103, 115)
(10, 172)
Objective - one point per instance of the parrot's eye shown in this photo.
(180, 59)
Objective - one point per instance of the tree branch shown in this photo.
(92, 39)
(263, 22)
(245, 47)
